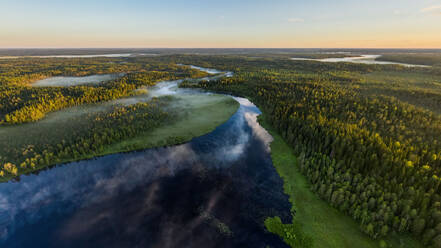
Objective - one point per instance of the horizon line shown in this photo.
(353, 48)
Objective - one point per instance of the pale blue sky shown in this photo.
(227, 23)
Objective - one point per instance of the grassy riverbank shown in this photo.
(187, 117)
(314, 219)
(196, 115)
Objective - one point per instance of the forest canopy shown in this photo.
(369, 145)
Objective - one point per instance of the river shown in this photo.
(214, 191)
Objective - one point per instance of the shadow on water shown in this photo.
(214, 191)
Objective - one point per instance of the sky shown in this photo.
(220, 24)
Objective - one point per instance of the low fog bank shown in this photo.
(75, 81)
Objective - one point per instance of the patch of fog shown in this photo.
(362, 59)
(144, 94)
(171, 88)
(210, 71)
(75, 81)
(217, 77)
(70, 116)
(245, 128)
(74, 112)
(244, 102)
(258, 130)
(165, 88)
(250, 115)
(207, 70)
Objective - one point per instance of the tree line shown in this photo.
(98, 130)
(20, 102)
(373, 157)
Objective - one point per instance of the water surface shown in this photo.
(214, 191)
(362, 59)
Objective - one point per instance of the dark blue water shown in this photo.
(215, 191)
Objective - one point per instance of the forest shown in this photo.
(97, 131)
(366, 137)
(415, 58)
(22, 104)
(370, 148)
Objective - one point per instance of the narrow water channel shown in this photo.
(214, 191)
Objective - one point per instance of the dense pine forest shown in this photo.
(20, 102)
(369, 145)
(207, 124)
(367, 137)
(94, 133)
(23, 104)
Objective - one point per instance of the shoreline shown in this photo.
(313, 218)
(214, 119)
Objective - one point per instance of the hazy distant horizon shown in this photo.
(124, 52)
(237, 48)
(222, 24)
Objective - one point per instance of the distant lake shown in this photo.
(75, 81)
(115, 55)
(362, 59)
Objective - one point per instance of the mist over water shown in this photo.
(214, 191)
(165, 197)
(171, 88)
(70, 118)
(211, 71)
(207, 70)
(76, 81)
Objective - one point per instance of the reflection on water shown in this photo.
(75, 81)
(362, 59)
(212, 192)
